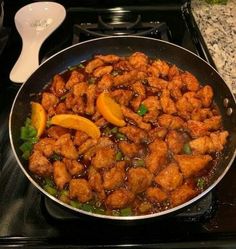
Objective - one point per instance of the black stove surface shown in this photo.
(28, 218)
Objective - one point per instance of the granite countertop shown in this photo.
(217, 24)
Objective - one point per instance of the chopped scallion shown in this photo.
(120, 136)
(201, 183)
(114, 130)
(50, 190)
(138, 162)
(187, 150)
(55, 157)
(126, 212)
(119, 156)
(75, 204)
(142, 110)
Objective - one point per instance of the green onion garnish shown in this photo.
(50, 190)
(187, 150)
(119, 156)
(142, 110)
(201, 183)
(126, 212)
(55, 157)
(120, 136)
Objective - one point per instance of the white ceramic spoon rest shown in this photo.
(34, 22)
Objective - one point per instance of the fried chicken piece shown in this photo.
(206, 95)
(80, 189)
(197, 128)
(157, 132)
(75, 78)
(153, 105)
(95, 180)
(80, 137)
(91, 96)
(140, 94)
(119, 198)
(174, 86)
(60, 174)
(175, 141)
(104, 158)
(73, 166)
(190, 81)
(135, 117)
(39, 164)
(65, 147)
(173, 72)
(122, 97)
(102, 142)
(157, 83)
(213, 123)
(45, 146)
(130, 149)
(167, 104)
(126, 78)
(93, 64)
(61, 108)
(170, 177)
(156, 194)
(70, 101)
(139, 179)
(138, 60)
(56, 131)
(182, 194)
(123, 65)
(209, 144)
(100, 71)
(191, 98)
(101, 122)
(153, 71)
(105, 83)
(187, 103)
(157, 155)
(190, 165)
(162, 66)
(201, 114)
(58, 85)
(134, 133)
(79, 106)
(48, 102)
(85, 146)
(80, 89)
(114, 177)
(170, 121)
(110, 58)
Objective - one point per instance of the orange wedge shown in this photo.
(76, 122)
(110, 110)
(38, 117)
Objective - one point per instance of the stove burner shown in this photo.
(102, 29)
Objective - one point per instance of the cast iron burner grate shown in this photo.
(201, 210)
(85, 31)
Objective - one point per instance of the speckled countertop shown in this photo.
(217, 24)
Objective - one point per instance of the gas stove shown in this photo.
(28, 218)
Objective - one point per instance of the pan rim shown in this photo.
(110, 217)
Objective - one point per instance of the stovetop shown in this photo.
(29, 218)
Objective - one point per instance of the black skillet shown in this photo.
(124, 46)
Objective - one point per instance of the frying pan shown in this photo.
(124, 46)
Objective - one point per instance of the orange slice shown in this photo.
(110, 110)
(76, 122)
(38, 117)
